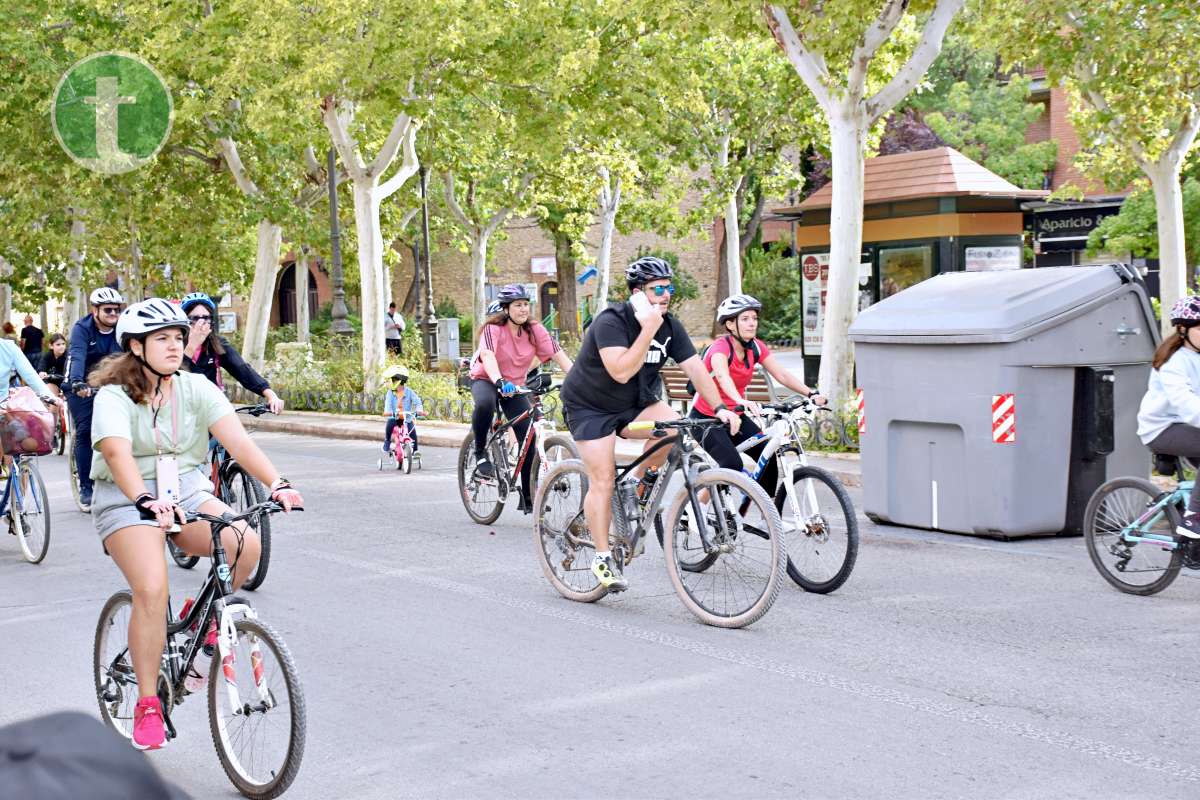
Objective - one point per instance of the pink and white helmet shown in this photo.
(1186, 311)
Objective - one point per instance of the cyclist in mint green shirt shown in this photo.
(151, 424)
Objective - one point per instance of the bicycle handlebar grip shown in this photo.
(642, 425)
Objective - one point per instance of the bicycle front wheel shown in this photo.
(241, 491)
(179, 557)
(560, 533)
(1133, 567)
(821, 533)
(76, 490)
(745, 535)
(482, 498)
(30, 510)
(112, 666)
(261, 743)
(408, 458)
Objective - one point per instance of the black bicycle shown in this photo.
(256, 709)
(722, 534)
(239, 490)
(483, 498)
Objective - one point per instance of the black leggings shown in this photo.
(717, 442)
(1181, 440)
(487, 400)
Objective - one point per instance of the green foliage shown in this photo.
(1135, 228)
(985, 114)
(773, 279)
(686, 286)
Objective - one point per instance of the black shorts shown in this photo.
(586, 424)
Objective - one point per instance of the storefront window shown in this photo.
(902, 267)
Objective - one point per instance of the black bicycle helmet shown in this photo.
(511, 293)
(646, 269)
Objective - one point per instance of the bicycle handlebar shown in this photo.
(255, 410)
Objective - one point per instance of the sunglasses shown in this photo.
(199, 318)
(110, 310)
(659, 291)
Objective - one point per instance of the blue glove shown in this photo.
(508, 389)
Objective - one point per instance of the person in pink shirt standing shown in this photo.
(510, 344)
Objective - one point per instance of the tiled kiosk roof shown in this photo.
(941, 172)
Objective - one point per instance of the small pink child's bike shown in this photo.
(401, 455)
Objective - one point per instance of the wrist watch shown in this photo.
(720, 407)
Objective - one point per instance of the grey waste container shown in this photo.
(996, 402)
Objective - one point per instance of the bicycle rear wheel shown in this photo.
(112, 667)
(262, 744)
(822, 544)
(179, 557)
(240, 491)
(1141, 568)
(29, 508)
(483, 499)
(743, 581)
(60, 430)
(561, 536)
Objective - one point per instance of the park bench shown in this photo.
(761, 388)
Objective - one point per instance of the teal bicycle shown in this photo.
(1129, 526)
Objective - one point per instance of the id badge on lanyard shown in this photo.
(166, 468)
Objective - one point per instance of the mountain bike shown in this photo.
(483, 498)
(401, 456)
(240, 491)
(820, 529)
(723, 537)
(1129, 526)
(256, 709)
(26, 506)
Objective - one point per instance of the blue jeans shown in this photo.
(81, 418)
(391, 426)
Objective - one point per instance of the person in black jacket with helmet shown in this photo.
(208, 353)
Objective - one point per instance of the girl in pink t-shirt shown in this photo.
(510, 344)
(731, 360)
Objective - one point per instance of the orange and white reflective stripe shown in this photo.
(1004, 419)
(862, 412)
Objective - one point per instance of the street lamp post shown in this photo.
(338, 311)
(431, 321)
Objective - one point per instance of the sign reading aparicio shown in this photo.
(1071, 221)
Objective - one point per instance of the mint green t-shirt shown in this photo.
(200, 404)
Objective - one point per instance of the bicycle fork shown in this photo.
(226, 643)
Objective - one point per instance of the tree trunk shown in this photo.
(1172, 256)
(610, 203)
(847, 130)
(300, 269)
(75, 304)
(258, 313)
(5, 294)
(568, 323)
(479, 247)
(370, 268)
(733, 255)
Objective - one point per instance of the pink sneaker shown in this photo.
(148, 731)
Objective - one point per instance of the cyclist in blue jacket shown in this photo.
(93, 339)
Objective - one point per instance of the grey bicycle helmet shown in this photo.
(735, 304)
(646, 269)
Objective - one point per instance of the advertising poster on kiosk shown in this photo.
(814, 285)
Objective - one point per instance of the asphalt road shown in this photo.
(438, 662)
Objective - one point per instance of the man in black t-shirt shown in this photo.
(31, 340)
(615, 381)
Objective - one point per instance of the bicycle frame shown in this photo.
(783, 443)
(12, 486)
(538, 430)
(1166, 504)
(683, 457)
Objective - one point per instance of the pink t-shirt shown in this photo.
(514, 354)
(738, 371)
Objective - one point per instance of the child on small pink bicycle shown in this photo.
(401, 402)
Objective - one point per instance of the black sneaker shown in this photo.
(1190, 528)
(484, 469)
(525, 505)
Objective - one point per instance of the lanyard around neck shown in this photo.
(174, 424)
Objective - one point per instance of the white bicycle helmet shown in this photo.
(395, 372)
(735, 304)
(148, 316)
(106, 296)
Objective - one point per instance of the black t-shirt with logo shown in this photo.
(33, 337)
(589, 385)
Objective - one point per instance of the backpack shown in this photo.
(753, 348)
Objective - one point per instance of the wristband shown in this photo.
(499, 384)
(142, 502)
(720, 407)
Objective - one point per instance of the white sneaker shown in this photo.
(1190, 529)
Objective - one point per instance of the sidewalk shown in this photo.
(844, 466)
